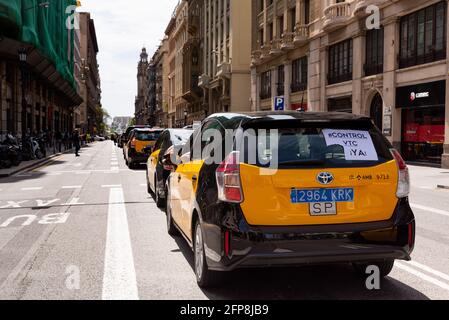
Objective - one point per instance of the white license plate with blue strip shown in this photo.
(322, 195)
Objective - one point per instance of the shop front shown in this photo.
(423, 117)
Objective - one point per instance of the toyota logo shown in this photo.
(325, 178)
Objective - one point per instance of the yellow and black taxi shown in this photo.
(139, 139)
(157, 173)
(290, 188)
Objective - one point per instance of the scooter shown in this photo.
(13, 151)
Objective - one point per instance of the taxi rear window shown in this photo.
(148, 136)
(323, 145)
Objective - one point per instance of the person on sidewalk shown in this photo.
(76, 142)
(59, 140)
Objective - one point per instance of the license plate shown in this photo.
(318, 209)
(322, 195)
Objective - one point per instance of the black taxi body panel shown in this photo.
(259, 246)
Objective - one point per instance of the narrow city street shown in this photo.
(93, 215)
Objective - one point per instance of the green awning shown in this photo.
(43, 27)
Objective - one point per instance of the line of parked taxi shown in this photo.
(325, 188)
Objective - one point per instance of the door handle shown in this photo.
(194, 178)
(179, 178)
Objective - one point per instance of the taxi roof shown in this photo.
(292, 115)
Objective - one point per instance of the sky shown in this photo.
(123, 27)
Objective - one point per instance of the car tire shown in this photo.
(205, 278)
(385, 267)
(171, 228)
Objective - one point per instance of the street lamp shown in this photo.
(23, 57)
(185, 117)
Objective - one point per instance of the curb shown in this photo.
(440, 186)
(34, 164)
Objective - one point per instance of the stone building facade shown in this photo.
(332, 58)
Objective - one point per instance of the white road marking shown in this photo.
(422, 276)
(119, 280)
(433, 210)
(111, 186)
(429, 270)
(114, 169)
(71, 187)
(31, 189)
(427, 188)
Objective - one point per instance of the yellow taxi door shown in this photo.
(152, 163)
(188, 183)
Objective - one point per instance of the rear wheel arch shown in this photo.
(195, 219)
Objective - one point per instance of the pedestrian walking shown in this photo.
(76, 142)
(66, 141)
(58, 138)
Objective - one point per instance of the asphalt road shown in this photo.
(85, 228)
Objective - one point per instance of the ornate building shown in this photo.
(142, 114)
(226, 38)
(325, 55)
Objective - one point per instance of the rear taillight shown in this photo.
(228, 179)
(404, 176)
(133, 143)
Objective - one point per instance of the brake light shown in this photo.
(404, 175)
(228, 179)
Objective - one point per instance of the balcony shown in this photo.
(204, 81)
(275, 47)
(224, 70)
(301, 34)
(287, 41)
(336, 15)
(256, 57)
(265, 52)
(361, 5)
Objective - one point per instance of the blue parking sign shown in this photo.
(279, 103)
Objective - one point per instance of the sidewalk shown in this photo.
(429, 177)
(26, 165)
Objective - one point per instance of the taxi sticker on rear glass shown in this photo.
(358, 145)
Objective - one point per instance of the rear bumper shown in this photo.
(301, 245)
(137, 157)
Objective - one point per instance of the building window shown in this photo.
(281, 81)
(306, 12)
(374, 52)
(270, 32)
(423, 36)
(340, 62)
(340, 105)
(280, 26)
(292, 13)
(265, 80)
(299, 75)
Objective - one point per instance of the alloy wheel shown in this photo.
(199, 254)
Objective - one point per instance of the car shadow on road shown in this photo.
(328, 282)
